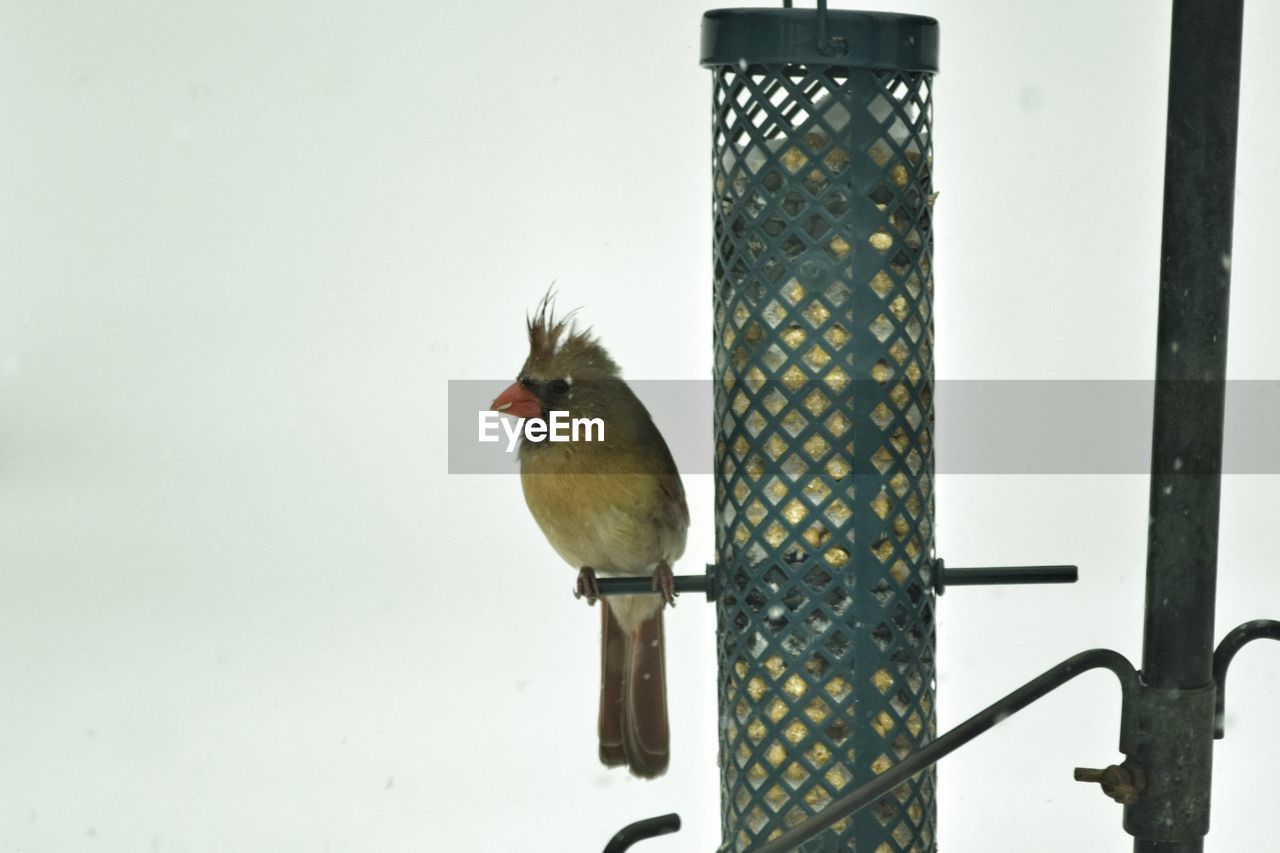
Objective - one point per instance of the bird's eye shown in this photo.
(559, 387)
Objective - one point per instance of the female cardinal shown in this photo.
(614, 506)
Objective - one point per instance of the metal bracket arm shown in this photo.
(984, 720)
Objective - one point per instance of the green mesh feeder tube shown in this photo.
(823, 418)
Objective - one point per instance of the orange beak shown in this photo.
(517, 401)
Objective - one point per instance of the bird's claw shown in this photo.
(587, 586)
(664, 583)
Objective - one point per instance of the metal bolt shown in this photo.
(1121, 782)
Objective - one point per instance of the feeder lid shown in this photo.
(858, 39)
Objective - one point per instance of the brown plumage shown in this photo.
(610, 507)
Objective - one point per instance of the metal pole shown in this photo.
(1195, 273)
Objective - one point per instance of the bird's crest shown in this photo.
(548, 335)
(552, 338)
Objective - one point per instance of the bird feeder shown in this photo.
(825, 577)
(822, 175)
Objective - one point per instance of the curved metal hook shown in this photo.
(1258, 629)
(650, 827)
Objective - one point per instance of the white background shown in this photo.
(243, 247)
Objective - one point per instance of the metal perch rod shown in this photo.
(943, 578)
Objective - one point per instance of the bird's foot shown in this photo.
(587, 586)
(664, 583)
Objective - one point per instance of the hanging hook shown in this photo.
(827, 45)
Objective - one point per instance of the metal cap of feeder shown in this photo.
(823, 291)
(856, 39)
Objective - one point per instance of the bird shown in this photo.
(610, 506)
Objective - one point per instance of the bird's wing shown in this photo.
(662, 463)
(674, 489)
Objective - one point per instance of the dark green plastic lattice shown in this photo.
(824, 418)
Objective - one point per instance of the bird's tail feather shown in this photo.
(613, 661)
(633, 696)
